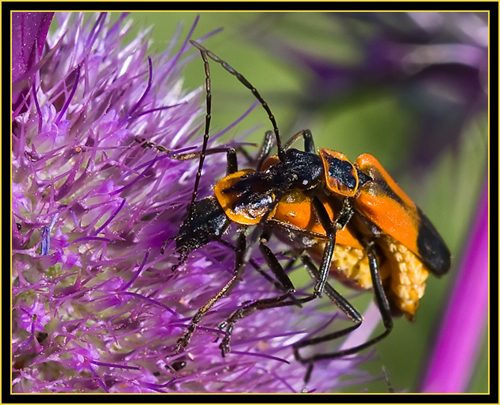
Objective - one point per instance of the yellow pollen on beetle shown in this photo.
(408, 276)
(351, 265)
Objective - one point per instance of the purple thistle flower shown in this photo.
(96, 307)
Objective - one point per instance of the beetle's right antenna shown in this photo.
(204, 53)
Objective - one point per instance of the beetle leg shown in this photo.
(268, 143)
(180, 156)
(284, 281)
(275, 266)
(346, 307)
(331, 228)
(265, 149)
(308, 141)
(242, 258)
(232, 161)
(329, 246)
(266, 303)
(240, 267)
(256, 266)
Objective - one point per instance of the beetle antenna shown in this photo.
(208, 118)
(248, 85)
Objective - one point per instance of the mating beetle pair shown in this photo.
(351, 218)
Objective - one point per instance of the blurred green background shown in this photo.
(371, 120)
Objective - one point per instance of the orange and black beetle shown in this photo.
(351, 218)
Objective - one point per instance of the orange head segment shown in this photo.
(235, 207)
(341, 177)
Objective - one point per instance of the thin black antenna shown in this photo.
(208, 117)
(205, 52)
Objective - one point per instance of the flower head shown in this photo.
(96, 306)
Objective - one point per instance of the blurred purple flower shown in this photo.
(437, 63)
(28, 36)
(96, 307)
(459, 338)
